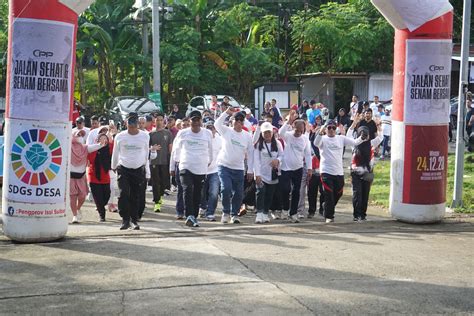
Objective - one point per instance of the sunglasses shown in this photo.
(332, 128)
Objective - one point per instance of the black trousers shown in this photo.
(291, 183)
(160, 180)
(360, 196)
(192, 186)
(276, 204)
(130, 183)
(264, 197)
(101, 195)
(314, 186)
(333, 186)
(142, 200)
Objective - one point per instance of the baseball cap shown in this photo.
(103, 120)
(208, 122)
(247, 111)
(331, 122)
(195, 114)
(80, 119)
(266, 126)
(240, 114)
(294, 107)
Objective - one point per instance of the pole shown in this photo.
(156, 45)
(146, 81)
(459, 164)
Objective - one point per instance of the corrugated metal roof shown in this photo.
(333, 74)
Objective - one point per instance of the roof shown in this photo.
(344, 75)
(458, 58)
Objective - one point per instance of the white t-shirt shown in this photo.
(193, 151)
(353, 108)
(216, 148)
(131, 151)
(262, 161)
(297, 149)
(331, 150)
(92, 136)
(386, 125)
(235, 146)
(85, 129)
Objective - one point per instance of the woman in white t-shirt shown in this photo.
(267, 159)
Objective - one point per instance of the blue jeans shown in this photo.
(232, 189)
(180, 197)
(210, 193)
(385, 141)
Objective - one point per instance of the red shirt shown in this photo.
(104, 175)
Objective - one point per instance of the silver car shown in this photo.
(202, 103)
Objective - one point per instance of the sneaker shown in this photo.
(329, 220)
(102, 219)
(301, 215)
(234, 220)
(179, 217)
(363, 219)
(174, 189)
(202, 213)
(74, 220)
(135, 225)
(242, 211)
(265, 218)
(259, 219)
(225, 218)
(210, 218)
(191, 221)
(284, 215)
(125, 225)
(382, 157)
(168, 192)
(356, 219)
(157, 208)
(294, 218)
(276, 215)
(149, 188)
(310, 215)
(79, 215)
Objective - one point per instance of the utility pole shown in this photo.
(156, 46)
(463, 79)
(146, 49)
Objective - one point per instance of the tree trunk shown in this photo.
(80, 79)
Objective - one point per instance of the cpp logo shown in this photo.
(436, 68)
(40, 53)
(11, 210)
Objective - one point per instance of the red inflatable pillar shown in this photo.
(39, 95)
(420, 112)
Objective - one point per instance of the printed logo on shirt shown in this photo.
(236, 143)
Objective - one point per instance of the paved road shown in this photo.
(378, 267)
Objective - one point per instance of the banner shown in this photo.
(14, 209)
(36, 162)
(41, 69)
(427, 81)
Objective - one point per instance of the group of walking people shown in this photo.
(273, 165)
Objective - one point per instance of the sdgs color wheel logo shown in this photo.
(36, 157)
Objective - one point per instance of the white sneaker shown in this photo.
(284, 214)
(79, 215)
(301, 215)
(294, 218)
(276, 215)
(149, 188)
(259, 219)
(225, 218)
(235, 220)
(174, 189)
(265, 218)
(74, 220)
(329, 220)
(202, 213)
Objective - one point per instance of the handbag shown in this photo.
(368, 177)
(274, 171)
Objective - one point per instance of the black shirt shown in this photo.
(371, 126)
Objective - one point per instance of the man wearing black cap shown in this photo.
(129, 158)
(80, 126)
(91, 138)
(331, 147)
(236, 146)
(193, 150)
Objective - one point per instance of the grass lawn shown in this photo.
(380, 191)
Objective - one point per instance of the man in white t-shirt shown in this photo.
(386, 131)
(193, 149)
(129, 159)
(331, 147)
(236, 146)
(354, 106)
(374, 105)
(80, 126)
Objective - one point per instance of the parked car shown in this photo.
(202, 103)
(117, 108)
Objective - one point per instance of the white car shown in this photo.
(202, 103)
